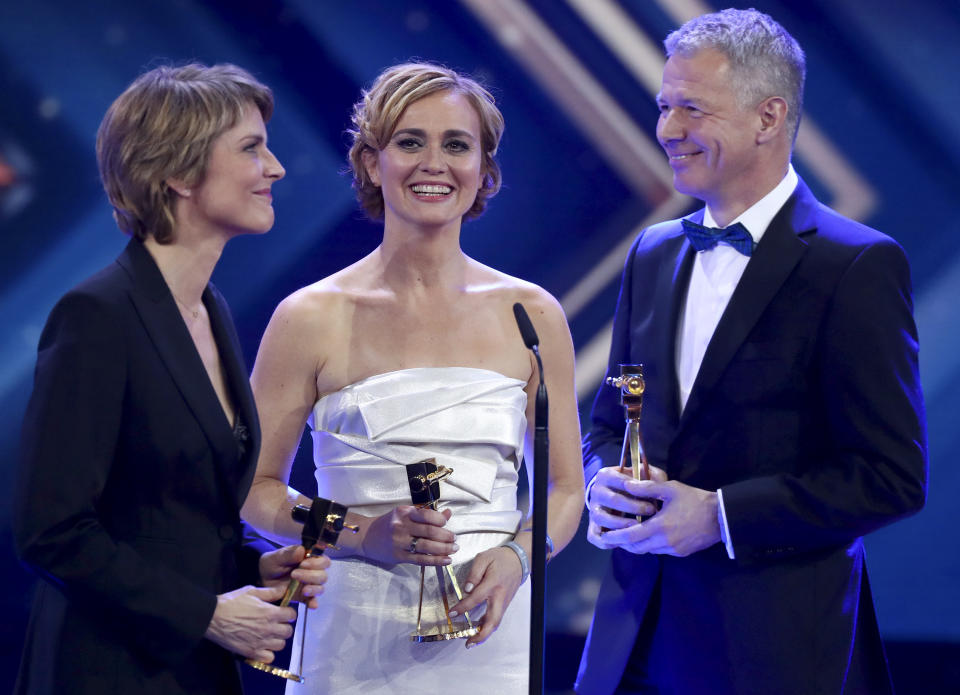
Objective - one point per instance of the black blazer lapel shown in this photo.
(161, 318)
(777, 254)
(238, 381)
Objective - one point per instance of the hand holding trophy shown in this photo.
(322, 523)
(632, 386)
(424, 478)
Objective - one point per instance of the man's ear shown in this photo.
(371, 163)
(773, 118)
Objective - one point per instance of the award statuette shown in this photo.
(322, 523)
(424, 478)
(631, 386)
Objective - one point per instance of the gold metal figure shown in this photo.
(631, 386)
(424, 478)
(322, 523)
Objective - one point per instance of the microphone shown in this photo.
(527, 331)
(532, 342)
(541, 465)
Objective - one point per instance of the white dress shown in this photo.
(470, 420)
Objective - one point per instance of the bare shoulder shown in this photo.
(323, 305)
(305, 313)
(539, 304)
(308, 328)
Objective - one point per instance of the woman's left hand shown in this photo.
(278, 567)
(494, 578)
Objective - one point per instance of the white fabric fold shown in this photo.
(343, 451)
(470, 420)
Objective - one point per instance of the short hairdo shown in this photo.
(766, 60)
(163, 126)
(376, 114)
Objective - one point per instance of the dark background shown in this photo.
(575, 79)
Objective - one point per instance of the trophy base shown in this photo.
(275, 671)
(444, 636)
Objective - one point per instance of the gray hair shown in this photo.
(765, 60)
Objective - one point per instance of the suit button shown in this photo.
(226, 532)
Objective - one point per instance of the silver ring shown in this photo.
(412, 548)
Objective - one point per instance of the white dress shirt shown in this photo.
(713, 279)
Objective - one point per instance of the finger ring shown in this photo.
(412, 548)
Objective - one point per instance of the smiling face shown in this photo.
(710, 138)
(234, 195)
(430, 170)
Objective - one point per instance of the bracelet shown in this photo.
(522, 557)
(549, 542)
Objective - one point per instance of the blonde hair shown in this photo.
(163, 126)
(380, 108)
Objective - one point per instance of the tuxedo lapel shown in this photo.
(674, 279)
(777, 254)
(162, 321)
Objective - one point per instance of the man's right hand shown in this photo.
(612, 506)
(246, 622)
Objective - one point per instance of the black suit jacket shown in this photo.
(130, 486)
(807, 413)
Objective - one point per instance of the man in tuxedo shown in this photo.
(783, 416)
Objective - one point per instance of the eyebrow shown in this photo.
(684, 101)
(420, 133)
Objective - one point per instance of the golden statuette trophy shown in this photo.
(631, 386)
(322, 523)
(424, 478)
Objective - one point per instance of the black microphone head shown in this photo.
(526, 326)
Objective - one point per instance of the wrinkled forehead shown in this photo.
(707, 71)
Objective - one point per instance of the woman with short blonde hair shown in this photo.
(413, 353)
(163, 127)
(141, 436)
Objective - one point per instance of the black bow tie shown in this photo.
(705, 238)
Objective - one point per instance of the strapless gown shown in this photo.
(470, 420)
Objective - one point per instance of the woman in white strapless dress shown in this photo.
(413, 353)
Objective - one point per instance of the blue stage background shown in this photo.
(575, 79)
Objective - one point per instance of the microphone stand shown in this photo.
(541, 466)
(541, 463)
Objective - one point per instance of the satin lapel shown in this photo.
(231, 356)
(676, 277)
(775, 257)
(161, 318)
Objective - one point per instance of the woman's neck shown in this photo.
(186, 264)
(422, 261)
